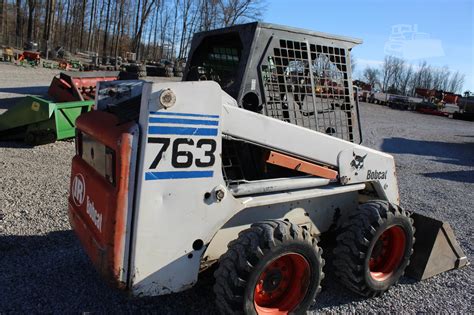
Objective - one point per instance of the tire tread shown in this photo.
(353, 243)
(245, 252)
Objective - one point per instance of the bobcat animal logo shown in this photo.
(358, 162)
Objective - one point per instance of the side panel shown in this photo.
(99, 210)
(179, 177)
(361, 165)
(316, 214)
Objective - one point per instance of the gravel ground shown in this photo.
(44, 269)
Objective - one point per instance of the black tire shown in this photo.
(142, 71)
(361, 237)
(251, 256)
(31, 138)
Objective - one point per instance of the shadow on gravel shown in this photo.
(26, 90)
(461, 154)
(457, 176)
(7, 103)
(15, 145)
(51, 274)
(444, 152)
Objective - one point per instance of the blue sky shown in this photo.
(444, 29)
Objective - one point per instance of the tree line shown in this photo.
(153, 29)
(397, 76)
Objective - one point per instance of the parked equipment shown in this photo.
(6, 54)
(246, 169)
(437, 95)
(392, 100)
(466, 109)
(36, 120)
(78, 86)
(33, 58)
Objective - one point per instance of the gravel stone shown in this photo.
(45, 270)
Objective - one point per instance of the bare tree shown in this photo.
(146, 7)
(175, 21)
(164, 18)
(49, 19)
(371, 76)
(456, 82)
(2, 4)
(116, 26)
(155, 35)
(186, 19)
(405, 79)
(106, 30)
(67, 23)
(83, 16)
(19, 18)
(391, 72)
(233, 10)
(31, 12)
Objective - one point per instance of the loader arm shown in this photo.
(355, 163)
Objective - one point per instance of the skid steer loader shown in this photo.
(246, 164)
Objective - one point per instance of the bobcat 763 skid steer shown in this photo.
(246, 168)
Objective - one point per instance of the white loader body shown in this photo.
(185, 213)
(246, 163)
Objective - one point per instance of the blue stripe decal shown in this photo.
(183, 121)
(188, 131)
(177, 175)
(183, 114)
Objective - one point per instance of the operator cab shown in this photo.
(285, 73)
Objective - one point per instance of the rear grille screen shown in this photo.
(307, 85)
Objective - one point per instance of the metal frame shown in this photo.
(173, 214)
(165, 195)
(298, 76)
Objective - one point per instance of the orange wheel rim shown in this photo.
(282, 285)
(387, 253)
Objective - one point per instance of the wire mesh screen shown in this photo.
(307, 85)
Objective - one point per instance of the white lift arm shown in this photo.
(356, 163)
